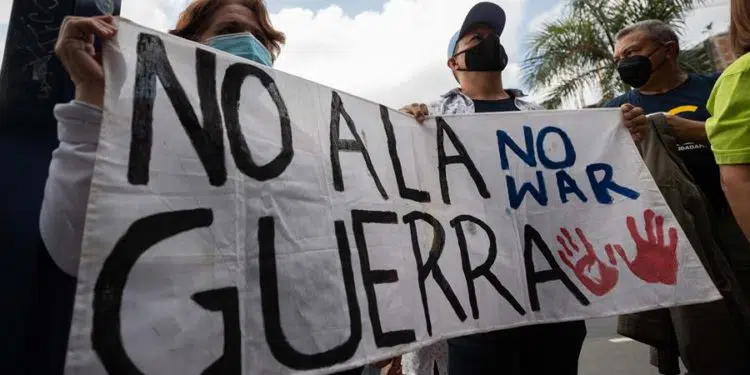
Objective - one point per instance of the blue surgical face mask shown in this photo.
(243, 45)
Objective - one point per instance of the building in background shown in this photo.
(719, 47)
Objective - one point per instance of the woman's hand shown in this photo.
(75, 48)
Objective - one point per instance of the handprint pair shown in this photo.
(655, 260)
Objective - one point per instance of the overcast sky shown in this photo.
(389, 51)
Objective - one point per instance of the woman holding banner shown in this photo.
(239, 27)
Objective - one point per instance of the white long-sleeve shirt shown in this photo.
(66, 192)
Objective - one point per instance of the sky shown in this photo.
(390, 51)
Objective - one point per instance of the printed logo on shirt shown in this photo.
(682, 109)
(690, 146)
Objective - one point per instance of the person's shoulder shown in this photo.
(520, 101)
(452, 102)
(734, 83)
(618, 101)
(739, 66)
(704, 79)
(527, 105)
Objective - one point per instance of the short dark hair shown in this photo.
(656, 30)
(192, 21)
(739, 26)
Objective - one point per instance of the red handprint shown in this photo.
(655, 261)
(598, 277)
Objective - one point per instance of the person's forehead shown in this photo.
(233, 12)
(634, 39)
(474, 30)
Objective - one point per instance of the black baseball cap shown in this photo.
(485, 13)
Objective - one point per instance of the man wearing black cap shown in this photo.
(477, 60)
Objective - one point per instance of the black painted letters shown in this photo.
(532, 237)
(372, 277)
(280, 347)
(484, 269)
(230, 103)
(349, 145)
(208, 141)
(403, 190)
(431, 266)
(106, 336)
(461, 158)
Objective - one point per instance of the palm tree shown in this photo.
(575, 52)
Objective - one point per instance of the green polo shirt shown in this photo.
(728, 128)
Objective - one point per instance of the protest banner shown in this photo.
(245, 221)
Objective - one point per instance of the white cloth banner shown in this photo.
(245, 221)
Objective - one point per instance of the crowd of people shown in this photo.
(707, 117)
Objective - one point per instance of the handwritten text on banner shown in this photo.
(246, 221)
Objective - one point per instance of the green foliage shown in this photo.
(576, 52)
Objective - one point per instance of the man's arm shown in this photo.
(685, 130)
(735, 179)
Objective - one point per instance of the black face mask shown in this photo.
(487, 56)
(636, 70)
